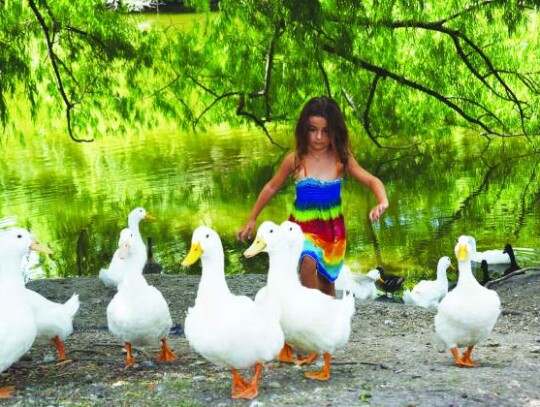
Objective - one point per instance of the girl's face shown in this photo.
(318, 135)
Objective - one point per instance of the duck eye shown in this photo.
(19, 236)
(207, 236)
(290, 228)
(271, 230)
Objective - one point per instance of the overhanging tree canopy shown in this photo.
(397, 67)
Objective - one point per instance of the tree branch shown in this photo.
(53, 59)
(404, 81)
(278, 31)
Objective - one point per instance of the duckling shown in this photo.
(138, 313)
(389, 284)
(54, 321)
(467, 315)
(428, 293)
(312, 321)
(229, 330)
(17, 323)
(151, 266)
(513, 262)
(362, 286)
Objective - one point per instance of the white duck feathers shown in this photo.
(311, 321)
(492, 256)
(428, 293)
(362, 286)
(226, 329)
(467, 314)
(138, 313)
(52, 318)
(17, 327)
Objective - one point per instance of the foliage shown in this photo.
(397, 67)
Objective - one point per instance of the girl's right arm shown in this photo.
(267, 193)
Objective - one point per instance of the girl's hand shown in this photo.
(377, 211)
(246, 231)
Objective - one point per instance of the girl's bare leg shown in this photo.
(309, 277)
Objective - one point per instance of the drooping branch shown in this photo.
(55, 60)
(259, 122)
(325, 77)
(456, 36)
(364, 118)
(217, 99)
(467, 50)
(385, 73)
(279, 29)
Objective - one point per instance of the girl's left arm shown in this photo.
(373, 183)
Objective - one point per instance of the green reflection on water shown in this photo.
(76, 197)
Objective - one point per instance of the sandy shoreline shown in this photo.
(392, 358)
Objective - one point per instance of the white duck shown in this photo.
(112, 276)
(229, 330)
(138, 313)
(428, 293)
(312, 321)
(468, 313)
(493, 256)
(362, 286)
(17, 324)
(53, 320)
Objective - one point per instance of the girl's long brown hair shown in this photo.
(337, 129)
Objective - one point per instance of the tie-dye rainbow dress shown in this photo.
(318, 211)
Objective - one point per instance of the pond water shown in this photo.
(76, 197)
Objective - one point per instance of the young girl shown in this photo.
(321, 159)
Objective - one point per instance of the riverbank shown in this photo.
(392, 358)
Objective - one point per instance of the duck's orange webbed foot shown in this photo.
(238, 384)
(324, 374)
(309, 359)
(166, 354)
(251, 389)
(129, 357)
(59, 347)
(6, 392)
(465, 360)
(286, 354)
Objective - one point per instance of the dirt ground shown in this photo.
(392, 359)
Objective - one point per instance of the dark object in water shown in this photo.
(151, 266)
(387, 283)
(513, 263)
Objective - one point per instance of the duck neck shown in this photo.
(466, 276)
(213, 281)
(283, 266)
(441, 274)
(132, 281)
(11, 276)
(133, 225)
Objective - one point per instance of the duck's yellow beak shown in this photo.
(39, 247)
(149, 216)
(256, 247)
(195, 253)
(462, 253)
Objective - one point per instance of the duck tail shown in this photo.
(72, 305)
